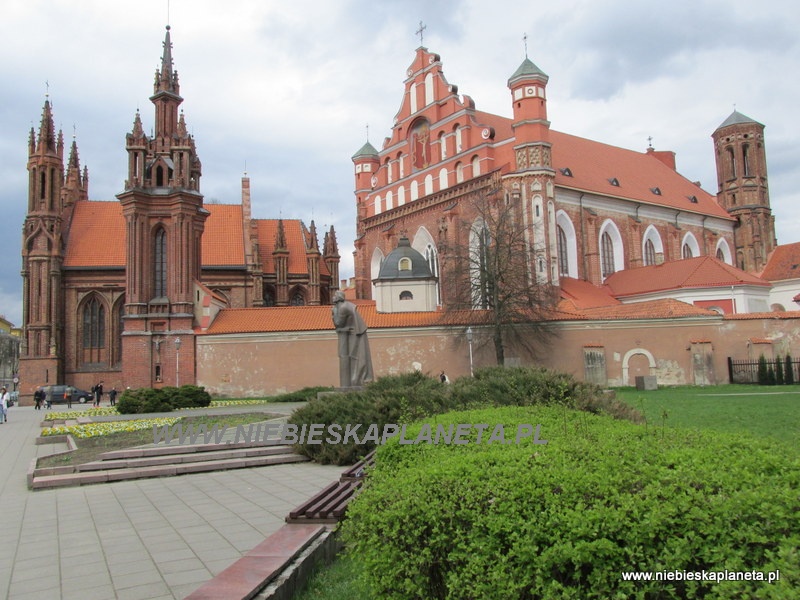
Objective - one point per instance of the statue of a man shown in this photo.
(355, 363)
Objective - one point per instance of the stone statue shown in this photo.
(355, 363)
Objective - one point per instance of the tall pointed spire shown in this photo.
(167, 78)
(47, 131)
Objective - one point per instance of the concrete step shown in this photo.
(170, 449)
(89, 477)
(222, 453)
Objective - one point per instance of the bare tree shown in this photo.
(499, 267)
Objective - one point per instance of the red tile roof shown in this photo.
(295, 234)
(689, 273)
(783, 263)
(96, 235)
(318, 318)
(223, 238)
(592, 164)
(583, 294)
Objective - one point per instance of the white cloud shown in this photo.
(288, 88)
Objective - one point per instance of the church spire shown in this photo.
(47, 131)
(167, 77)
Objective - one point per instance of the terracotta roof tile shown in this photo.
(689, 273)
(592, 164)
(783, 263)
(96, 235)
(295, 234)
(223, 238)
(786, 314)
(318, 318)
(584, 294)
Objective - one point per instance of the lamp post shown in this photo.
(469, 341)
(177, 362)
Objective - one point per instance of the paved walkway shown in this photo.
(149, 539)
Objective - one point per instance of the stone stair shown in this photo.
(165, 461)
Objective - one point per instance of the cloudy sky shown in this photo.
(286, 90)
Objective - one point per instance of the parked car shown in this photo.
(56, 394)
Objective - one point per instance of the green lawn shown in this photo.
(764, 411)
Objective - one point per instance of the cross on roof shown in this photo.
(420, 32)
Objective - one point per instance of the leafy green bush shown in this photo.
(405, 398)
(303, 395)
(567, 519)
(166, 399)
(789, 370)
(389, 400)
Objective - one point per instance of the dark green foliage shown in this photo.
(405, 398)
(166, 399)
(303, 395)
(762, 370)
(389, 400)
(788, 372)
(566, 519)
(770, 374)
(779, 371)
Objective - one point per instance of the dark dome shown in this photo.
(413, 267)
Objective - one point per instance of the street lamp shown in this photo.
(177, 362)
(469, 341)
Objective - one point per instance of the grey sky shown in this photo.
(287, 88)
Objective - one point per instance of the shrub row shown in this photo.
(567, 519)
(405, 398)
(166, 399)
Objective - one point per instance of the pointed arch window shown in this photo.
(746, 160)
(160, 264)
(687, 251)
(563, 252)
(297, 299)
(94, 324)
(607, 255)
(649, 253)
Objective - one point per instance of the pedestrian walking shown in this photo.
(112, 396)
(98, 393)
(4, 397)
(38, 396)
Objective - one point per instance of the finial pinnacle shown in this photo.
(649, 141)
(525, 42)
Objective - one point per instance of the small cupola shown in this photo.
(405, 282)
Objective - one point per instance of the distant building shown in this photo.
(112, 289)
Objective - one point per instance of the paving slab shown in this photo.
(204, 518)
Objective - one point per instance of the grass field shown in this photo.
(764, 411)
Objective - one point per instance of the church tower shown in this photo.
(165, 218)
(41, 358)
(743, 189)
(532, 188)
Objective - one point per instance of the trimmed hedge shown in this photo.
(166, 399)
(388, 400)
(406, 398)
(566, 519)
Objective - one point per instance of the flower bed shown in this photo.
(98, 429)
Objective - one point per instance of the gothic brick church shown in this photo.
(158, 288)
(117, 290)
(591, 210)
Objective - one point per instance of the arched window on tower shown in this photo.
(746, 170)
(731, 163)
(686, 251)
(160, 264)
(94, 331)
